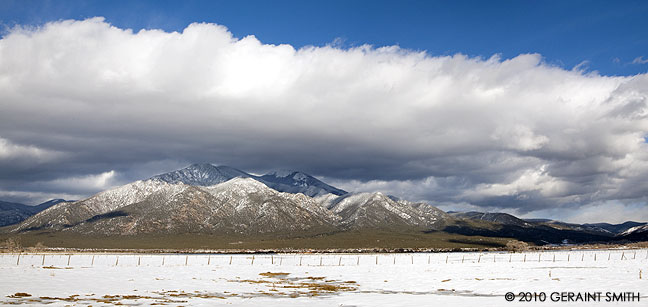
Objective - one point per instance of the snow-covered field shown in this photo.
(421, 279)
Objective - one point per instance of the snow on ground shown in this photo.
(421, 279)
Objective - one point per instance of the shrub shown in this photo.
(11, 245)
(517, 246)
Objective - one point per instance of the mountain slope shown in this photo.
(68, 214)
(298, 182)
(503, 218)
(636, 233)
(283, 181)
(13, 213)
(615, 228)
(376, 210)
(240, 206)
(202, 175)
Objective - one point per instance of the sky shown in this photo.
(536, 108)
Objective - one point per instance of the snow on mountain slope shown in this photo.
(261, 209)
(237, 206)
(70, 213)
(376, 210)
(283, 181)
(635, 230)
(202, 175)
(13, 213)
(298, 182)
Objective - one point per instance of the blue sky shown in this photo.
(605, 36)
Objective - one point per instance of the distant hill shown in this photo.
(12, 213)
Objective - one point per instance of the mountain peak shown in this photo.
(201, 174)
(290, 181)
(298, 182)
(281, 173)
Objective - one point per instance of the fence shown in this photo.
(123, 260)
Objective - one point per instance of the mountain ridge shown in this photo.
(206, 174)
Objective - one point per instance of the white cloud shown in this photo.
(516, 134)
(639, 60)
(604, 212)
(33, 154)
(101, 181)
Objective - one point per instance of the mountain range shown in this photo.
(223, 201)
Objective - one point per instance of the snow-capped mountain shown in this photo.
(204, 174)
(283, 181)
(636, 233)
(615, 228)
(298, 182)
(240, 205)
(376, 210)
(71, 213)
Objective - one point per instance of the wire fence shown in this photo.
(58, 260)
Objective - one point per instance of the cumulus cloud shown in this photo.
(512, 134)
